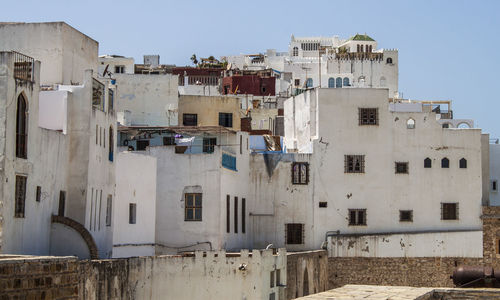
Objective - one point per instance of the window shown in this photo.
(228, 214)
(462, 163)
(445, 163)
(243, 215)
(297, 82)
(209, 145)
(20, 196)
(294, 233)
(272, 296)
(354, 163)
(357, 217)
(323, 204)
(111, 144)
(427, 163)
(300, 173)
(119, 69)
(111, 97)
(346, 82)
(142, 145)
(331, 82)
(226, 119)
(168, 140)
(410, 124)
(368, 116)
(271, 281)
(190, 119)
(338, 82)
(62, 203)
(235, 214)
(401, 167)
(21, 128)
(389, 60)
(494, 186)
(108, 210)
(241, 144)
(278, 277)
(406, 216)
(309, 83)
(295, 51)
(97, 134)
(38, 194)
(446, 125)
(192, 210)
(132, 209)
(449, 211)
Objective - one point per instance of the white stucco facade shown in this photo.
(494, 192)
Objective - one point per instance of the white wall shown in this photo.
(431, 244)
(66, 241)
(53, 110)
(494, 174)
(135, 183)
(151, 99)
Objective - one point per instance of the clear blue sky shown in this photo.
(447, 49)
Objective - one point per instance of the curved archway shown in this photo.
(346, 81)
(87, 237)
(22, 127)
(463, 125)
(305, 283)
(338, 82)
(410, 123)
(389, 60)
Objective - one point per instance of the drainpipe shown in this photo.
(336, 233)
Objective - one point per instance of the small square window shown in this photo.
(406, 216)
(449, 211)
(368, 116)
(354, 163)
(226, 119)
(190, 119)
(297, 82)
(294, 233)
(300, 173)
(357, 217)
(401, 168)
(192, 211)
(323, 204)
(168, 140)
(209, 145)
(142, 145)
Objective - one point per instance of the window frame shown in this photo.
(20, 195)
(365, 117)
(300, 176)
(445, 163)
(298, 231)
(402, 212)
(132, 213)
(353, 157)
(225, 119)
(186, 121)
(445, 211)
(399, 169)
(356, 220)
(208, 146)
(429, 165)
(22, 127)
(462, 163)
(193, 207)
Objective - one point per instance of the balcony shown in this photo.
(23, 67)
(359, 55)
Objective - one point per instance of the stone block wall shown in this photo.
(307, 273)
(29, 277)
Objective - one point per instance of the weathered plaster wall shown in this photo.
(307, 273)
(494, 170)
(208, 109)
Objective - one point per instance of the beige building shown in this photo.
(210, 111)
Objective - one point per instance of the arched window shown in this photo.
(445, 163)
(309, 82)
(370, 48)
(346, 81)
(382, 81)
(357, 47)
(338, 82)
(389, 60)
(331, 82)
(295, 51)
(22, 128)
(361, 48)
(427, 163)
(463, 163)
(410, 124)
(111, 144)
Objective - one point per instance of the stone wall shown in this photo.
(307, 273)
(491, 235)
(38, 277)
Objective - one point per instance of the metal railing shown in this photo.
(23, 66)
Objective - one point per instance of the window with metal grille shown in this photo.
(38, 195)
(354, 163)
(168, 140)
(190, 119)
(62, 203)
(406, 216)
(427, 163)
(401, 167)
(226, 119)
(462, 163)
(294, 233)
(209, 145)
(297, 82)
(108, 210)
(449, 211)
(295, 51)
(445, 163)
(132, 210)
(20, 195)
(22, 128)
(300, 173)
(192, 211)
(368, 116)
(357, 217)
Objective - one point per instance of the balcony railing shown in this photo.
(360, 56)
(23, 67)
